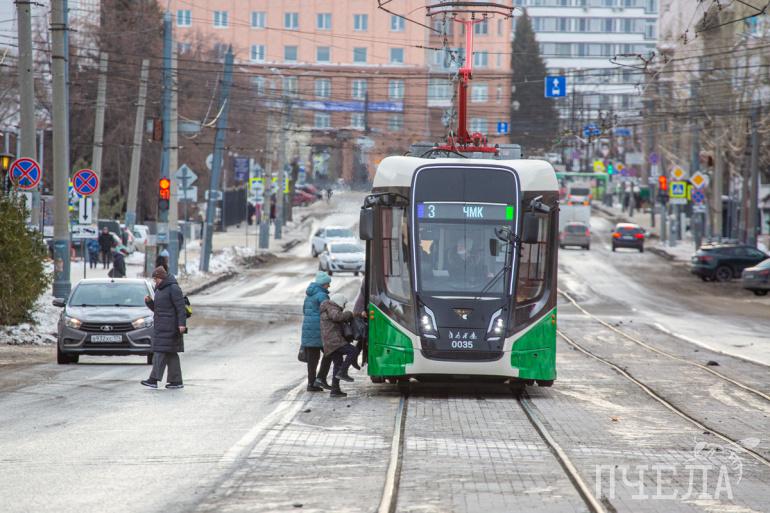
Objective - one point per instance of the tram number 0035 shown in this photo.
(462, 344)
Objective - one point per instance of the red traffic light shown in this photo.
(662, 183)
(164, 188)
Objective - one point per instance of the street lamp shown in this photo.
(6, 159)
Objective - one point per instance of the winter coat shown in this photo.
(105, 241)
(311, 310)
(332, 318)
(118, 265)
(92, 245)
(168, 307)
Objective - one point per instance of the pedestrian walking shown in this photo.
(118, 263)
(317, 292)
(337, 349)
(169, 327)
(93, 253)
(105, 246)
(162, 259)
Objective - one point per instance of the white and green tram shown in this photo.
(461, 270)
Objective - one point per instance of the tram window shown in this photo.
(395, 251)
(533, 264)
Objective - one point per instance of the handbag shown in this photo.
(302, 355)
(347, 331)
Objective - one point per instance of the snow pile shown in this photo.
(41, 331)
(225, 261)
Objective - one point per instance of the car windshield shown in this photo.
(576, 228)
(580, 191)
(339, 232)
(454, 257)
(346, 248)
(628, 229)
(109, 294)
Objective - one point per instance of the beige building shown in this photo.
(361, 83)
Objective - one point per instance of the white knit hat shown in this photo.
(339, 300)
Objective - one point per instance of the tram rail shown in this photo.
(649, 347)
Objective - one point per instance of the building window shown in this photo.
(258, 84)
(290, 86)
(323, 54)
(220, 19)
(397, 23)
(183, 48)
(481, 28)
(359, 55)
(396, 122)
(359, 89)
(439, 89)
(479, 125)
(291, 20)
(258, 19)
(608, 24)
(608, 3)
(360, 22)
(323, 88)
(322, 120)
(323, 21)
(220, 49)
(357, 120)
(481, 59)
(184, 18)
(258, 53)
(396, 55)
(479, 93)
(290, 53)
(396, 89)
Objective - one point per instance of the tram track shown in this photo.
(661, 352)
(389, 500)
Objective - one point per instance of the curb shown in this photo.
(216, 281)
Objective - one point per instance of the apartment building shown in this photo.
(362, 83)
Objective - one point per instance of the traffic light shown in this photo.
(610, 169)
(662, 183)
(164, 193)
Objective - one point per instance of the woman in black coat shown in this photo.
(169, 326)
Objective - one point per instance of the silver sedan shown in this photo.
(342, 257)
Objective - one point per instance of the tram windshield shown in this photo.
(453, 249)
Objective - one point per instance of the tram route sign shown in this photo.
(555, 86)
(465, 211)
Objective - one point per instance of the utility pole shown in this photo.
(279, 208)
(164, 238)
(216, 166)
(136, 151)
(264, 218)
(697, 217)
(754, 185)
(61, 235)
(716, 186)
(27, 93)
(101, 104)
(173, 161)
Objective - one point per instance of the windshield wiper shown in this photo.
(491, 282)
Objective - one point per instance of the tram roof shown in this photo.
(534, 175)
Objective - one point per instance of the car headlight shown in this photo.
(496, 328)
(143, 322)
(334, 258)
(71, 322)
(428, 323)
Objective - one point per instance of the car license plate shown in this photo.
(627, 237)
(106, 338)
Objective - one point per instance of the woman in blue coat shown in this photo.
(316, 293)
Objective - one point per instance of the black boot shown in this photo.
(314, 388)
(336, 392)
(343, 375)
(321, 382)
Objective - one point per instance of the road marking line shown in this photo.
(392, 477)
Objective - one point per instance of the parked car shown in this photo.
(342, 257)
(757, 278)
(723, 262)
(141, 234)
(324, 236)
(575, 234)
(105, 316)
(303, 199)
(628, 235)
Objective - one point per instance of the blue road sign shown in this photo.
(85, 182)
(698, 197)
(25, 173)
(502, 127)
(622, 132)
(591, 130)
(678, 189)
(653, 158)
(555, 86)
(241, 169)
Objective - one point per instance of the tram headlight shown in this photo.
(496, 329)
(428, 323)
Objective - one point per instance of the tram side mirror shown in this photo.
(366, 224)
(530, 228)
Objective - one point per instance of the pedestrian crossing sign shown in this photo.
(677, 190)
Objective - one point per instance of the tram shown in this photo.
(461, 269)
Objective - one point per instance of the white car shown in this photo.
(346, 257)
(141, 234)
(330, 234)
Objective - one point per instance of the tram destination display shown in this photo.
(465, 211)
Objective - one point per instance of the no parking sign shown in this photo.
(25, 173)
(85, 182)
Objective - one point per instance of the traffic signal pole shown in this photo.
(163, 204)
(216, 166)
(173, 160)
(27, 94)
(136, 151)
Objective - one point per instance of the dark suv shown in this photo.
(627, 235)
(723, 262)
